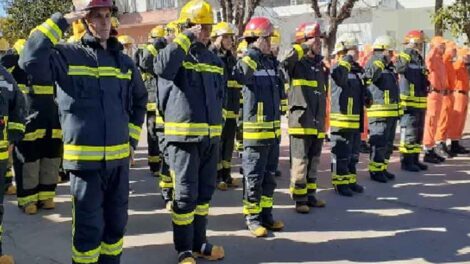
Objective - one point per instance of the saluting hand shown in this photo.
(74, 16)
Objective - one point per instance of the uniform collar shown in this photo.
(91, 41)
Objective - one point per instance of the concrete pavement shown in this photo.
(418, 218)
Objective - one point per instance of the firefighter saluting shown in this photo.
(102, 103)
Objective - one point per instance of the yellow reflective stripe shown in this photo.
(340, 179)
(182, 219)
(230, 114)
(23, 88)
(98, 72)
(215, 130)
(152, 50)
(342, 124)
(387, 97)
(376, 166)
(90, 256)
(202, 209)
(405, 56)
(11, 69)
(134, 131)
(260, 112)
(302, 131)
(112, 249)
(258, 135)
(345, 64)
(226, 164)
(379, 64)
(3, 144)
(57, 133)
(266, 202)
(42, 196)
(251, 63)
(32, 136)
(154, 159)
(183, 41)
(344, 117)
(22, 201)
(164, 184)
(299, 50)
(43, 89)
(251, 208)
(303, 82)
(51, 30)
(4, 155)
(298, 191)
(412, 90)
(233, 84)
(321, 135)
(258, 125)
(376, 107)
(352, 178)
(151, 106)
(186, 129)
(350, 105)
(16, 126)
(95, 153)
(203, 67)
(312, 186)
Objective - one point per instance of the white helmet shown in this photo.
(345, 42)
(384, 43)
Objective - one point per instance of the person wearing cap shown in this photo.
(348, 99)
(222, 45)
(261, 133)
(460, 107)
(437, 92)
(306, 114)
(190, 98)
(413, 84)
(101, 98)
(383, 114)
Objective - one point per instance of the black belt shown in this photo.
(461, 92)
(443, 92)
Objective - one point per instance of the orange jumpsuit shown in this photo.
(438, 79)
(459, 113)
(448, 99)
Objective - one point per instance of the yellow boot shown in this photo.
(48, 204)
(216, 253)
(5, 259)
(222, 186)
(257, 230)
(186, 258)
(30, 209)
(11, 190)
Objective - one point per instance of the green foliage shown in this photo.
(24, 15)
(455, 18)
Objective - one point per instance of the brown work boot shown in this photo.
(186, 258)
(5, 259)
(30, 209)
(11, 190)
(314, 202)
(222, 186)
(47, 204)
(211, 252)
(302, 207)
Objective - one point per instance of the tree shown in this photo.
(438, 31)
(25, 15)
(238, 12)
(335, 13)
(455, 17)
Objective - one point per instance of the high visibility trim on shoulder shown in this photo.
(203, 67)
(345, 64)
(183, 41)
(250, 62)
(405, 56)
(98, 72)
(152, 50)
(379, 64)
(299, 50)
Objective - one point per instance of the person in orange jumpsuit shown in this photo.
(460, 93)
(447, 102)
(438, 89)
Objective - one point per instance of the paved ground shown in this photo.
(419, 218)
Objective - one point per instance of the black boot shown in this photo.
(343, 190)
(356, 187)
(378, 176)
(364, 147)
(390, 176)
(455, 147)
(278, 173)
(430, 156)
(421, 166)
(443, 151)
(407, 163)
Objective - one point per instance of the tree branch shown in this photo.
(316, 8)
(346, 10)
(334, 6)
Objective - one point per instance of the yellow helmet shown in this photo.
(223, 28)
(115, 22)
(19, 45)
(276, 37)
(196, 12)
(126, 39)
(4, 45)
(78, 29)
(242, 46)
(72, 39)
(345, 42)
(157, 32)
(384, 43)
(172, 27)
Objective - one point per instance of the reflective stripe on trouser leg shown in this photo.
(166, 182)
(341, 152)
(154, 155)
(27, 182)
(48, 175)
(378, 133)
(411, 132)
(9, 172)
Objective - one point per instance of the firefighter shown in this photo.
(36, 159)
(12, 124)
(348, 95)
(437, 91)
(242, 47)
(222, 45)
(413, 84)
(128, 43)
(190, 98)
(307, 104)
(102, 101)
(459, 113)
(261, 112)
(384, 111)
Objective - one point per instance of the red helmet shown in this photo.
(306, 31)
(81, 5)
(414, 36)
(258, 27)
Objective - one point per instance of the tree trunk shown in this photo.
(438, 26)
